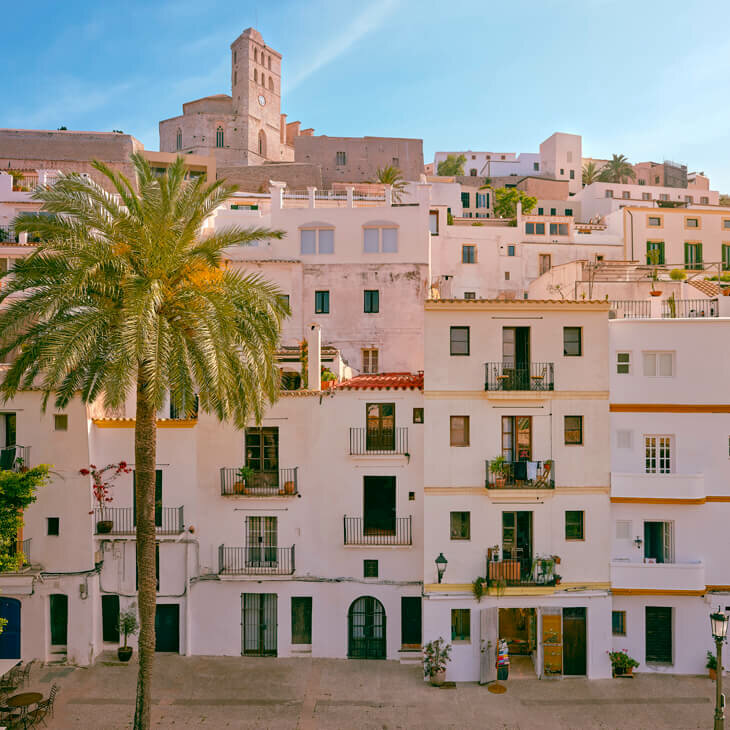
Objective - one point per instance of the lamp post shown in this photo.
(441, 564)
(718, 625)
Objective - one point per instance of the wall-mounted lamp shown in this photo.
(441, 564)
(638, 542)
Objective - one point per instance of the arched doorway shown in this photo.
(366, 629)
(10, 637)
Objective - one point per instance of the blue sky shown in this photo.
(643, 78)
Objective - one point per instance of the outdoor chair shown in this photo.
(544, 479)
(43, 709)
(7, 457)
(24, 672)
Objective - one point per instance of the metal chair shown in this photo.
(43, 709)
(24, 672)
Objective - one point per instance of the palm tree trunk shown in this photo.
(145, 450)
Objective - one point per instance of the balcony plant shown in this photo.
(622, 664)
(711, 665)
(328, 379)
(436, 655)
(242, 476)
(653, 257)
(101, 483)
(128, 626)
(498, 467)
(677, 274)
(479, 588)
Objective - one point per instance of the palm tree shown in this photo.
(123, 299)
(591, 173)
(617, 170)
(392, 176)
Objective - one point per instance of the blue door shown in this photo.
(10, 637)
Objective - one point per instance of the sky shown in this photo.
(642, 78)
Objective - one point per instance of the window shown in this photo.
(321, 302)
(545, 263)
(511, 250)
(663, 196)
(371, 303)
(646, 196)
(235, 76)
(465, 200)
(536, 166)
(473, 172)
(609, 193)
(623, 363)
(284, 299)
(459, 430)
(271, 83)
(558, 229)
(301, 619)
(178, 139)
(540, 229)
(370, 360)
(572, 341)
(482, 200)
(553, 211)
(693, 256)
(317, 240)
(691, 222)
(572, 174)
(235, 56)
(568, 211)
(418, 415)
(219, 136)
(626, 195)
(574, 520)
(641, 181)
(658, 454)
(468, 254)
(688, 199)
(370, 568)
(535, 228)
(459, 340)
(658, 541)
(725, 256)
(470, 295)
(529, 228)
(659, 364)
(433, 222)
(540, 211)
(60, 422)
(618, 623)
(52, 525)
(704, 200)
(340, 158)
(460, 624)
(562, 171)
(657, 246)
(658, 634)
(376, 240)
(654, 221)
(574, 430)
(726, 224)
(506, 275)
(460, 525)
(396, 162)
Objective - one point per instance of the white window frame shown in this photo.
(656, 354)
(619, 364)
(658, 453)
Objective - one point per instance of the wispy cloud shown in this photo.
(370, 19)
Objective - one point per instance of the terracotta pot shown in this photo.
(328, 384)
(124, 653)
(500, 481)
(438, 678)
(239, 488)
(713, 674)
(655, 293)
(104, 527)
(623, 671)
(289, 487)
(726, 291)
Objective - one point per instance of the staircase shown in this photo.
(59, 655)
(410, 656)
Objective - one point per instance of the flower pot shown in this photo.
(328, 384)
(104, 527)
(655, 293)
(124, 653)
(438, 678)
(499, 481)
(713, 674)
(623, 671)
(726, 291)
(289, 487)
(557, 560)
(239, 487)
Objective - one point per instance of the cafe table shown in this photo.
(23, 701)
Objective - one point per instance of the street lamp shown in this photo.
(718, 625)
(441, 564)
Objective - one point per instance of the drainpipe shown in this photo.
(314, 352)
(631, 215)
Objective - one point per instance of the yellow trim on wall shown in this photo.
(517, 395)
(656, 500)
(437, 491)
(718, 589)
(723, 498)
(518, 590)
(656, 592)
(669, 408)
(129, 422)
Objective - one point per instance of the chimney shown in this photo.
(314, 352)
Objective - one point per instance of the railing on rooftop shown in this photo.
(260, 484)
(689, 308)
(378, 442)
(381, 531)
(168, 520)
(520, 475)
(511, 376)
(256, 560)
(631, 308)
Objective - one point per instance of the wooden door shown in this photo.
(488, 624)
(552, 641)
(301, 620)
(574, 641)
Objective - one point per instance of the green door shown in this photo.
(59, 619)
(167, 627)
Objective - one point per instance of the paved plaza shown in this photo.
(304, 694)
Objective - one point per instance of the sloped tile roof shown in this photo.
(708, 288)
(384, 381)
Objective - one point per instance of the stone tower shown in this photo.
(256, 95)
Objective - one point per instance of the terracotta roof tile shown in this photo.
(708, 288)
(384, 381)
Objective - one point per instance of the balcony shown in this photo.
(521, 475)
(514, 568)
(14, 457)
(657, 486)
(255, 560)
(658, 576)
(507, 376)
(363, 531)
(281, 483)
(366, 442)
(168, 520)
(21, 552)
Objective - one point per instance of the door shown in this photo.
(158, 497)
(380, 426)
(110, 618)
(261, 542)
(516, 357)
(259, 622)
(167, 627)
(10, 636)
(301, 620)
(574, 641)
(517, 546)
(262, 455)
(517, 441)
(379, 505)
(659, 634)
(552, 641)
(659, 542)
(59, 619)
(410, 621)
(366, 629)
(489, 624)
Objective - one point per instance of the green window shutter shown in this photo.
(465, 200)
(698, 247)
(686, 255)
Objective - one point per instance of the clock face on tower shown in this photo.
(262, 100)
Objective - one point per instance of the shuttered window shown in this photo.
(659, 634)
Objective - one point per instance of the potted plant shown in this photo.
(101, 486)
(622, 664)
(711, 665)
(557, 579)
(436, 655)
(677, 274)
(653, 257)
(242, 476)
(328, 379)
(498, 467)
(479, 588)
(128, 626)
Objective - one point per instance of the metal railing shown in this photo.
(364, 196)
(689, 308)
(8, 234)
(15, 457)
(256, 560)
(517, 568)
(295, 195)
(508, 376)
(168, 520)
(260, 484)
(330, 194)
(631, 308)
(378, 442)
(521, 475)
(364, 531)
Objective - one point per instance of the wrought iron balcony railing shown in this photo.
(520, 475)
(517, 568)
(509, 376)
(366, 441)
(256, 560)
(378, 531)
(260, 484)
(168, 520)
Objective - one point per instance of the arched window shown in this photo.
(178, 139)
(269, 63)
(219, 136)
(255, 75)
(235, 76)
(235, 57)
(256, 55)
(263, 79)
(271, 83)
(262, 143)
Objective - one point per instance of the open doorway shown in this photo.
(518, 627)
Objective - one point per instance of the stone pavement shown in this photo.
(306, 694)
